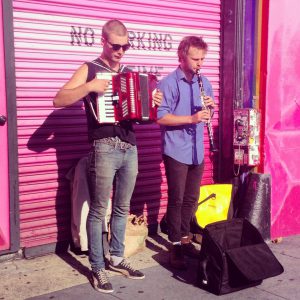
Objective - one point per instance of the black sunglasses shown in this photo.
(117, 47)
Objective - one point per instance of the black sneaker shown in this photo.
(126, 269)
(190, 250)
(100, 282)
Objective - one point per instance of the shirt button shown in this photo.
(190, 131)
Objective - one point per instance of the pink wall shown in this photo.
(282, 132)
(4, 199)
(52, 39)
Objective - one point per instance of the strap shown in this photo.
(88, 99)
(211, 196)
(91, 76)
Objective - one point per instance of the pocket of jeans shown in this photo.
(132, 149)
(104, 148)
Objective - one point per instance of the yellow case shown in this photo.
(213, 204)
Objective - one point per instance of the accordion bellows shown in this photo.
(129, 97)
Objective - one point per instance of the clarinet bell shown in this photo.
(214, 150)
(212, 147)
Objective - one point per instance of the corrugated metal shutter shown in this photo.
(52, 38)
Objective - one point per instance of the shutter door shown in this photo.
(52, 39)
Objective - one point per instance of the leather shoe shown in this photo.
(177, 260)
(190, 250)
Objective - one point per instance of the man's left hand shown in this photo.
(209, 102)
(157, 97)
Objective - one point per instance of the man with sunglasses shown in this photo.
(112, 159)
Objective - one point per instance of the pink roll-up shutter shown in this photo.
(52, 39)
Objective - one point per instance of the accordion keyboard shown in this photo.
(105, 107)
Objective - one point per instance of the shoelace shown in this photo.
(101, 274)
(127, 265)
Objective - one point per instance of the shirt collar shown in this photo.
(107, 67)
(180, 75)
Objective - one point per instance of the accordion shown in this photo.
(128, 97)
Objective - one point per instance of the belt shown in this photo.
(116, 142)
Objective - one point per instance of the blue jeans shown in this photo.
(106, 163)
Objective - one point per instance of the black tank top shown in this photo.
(124, 130)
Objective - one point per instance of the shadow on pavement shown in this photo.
(162, 258)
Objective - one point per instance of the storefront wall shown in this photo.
(52, 39)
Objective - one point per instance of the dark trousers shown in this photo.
(183, 194)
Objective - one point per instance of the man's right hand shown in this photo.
(98, 85)
(200, 116)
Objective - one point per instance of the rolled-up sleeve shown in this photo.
(165, 107)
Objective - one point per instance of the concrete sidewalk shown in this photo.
(65, 277)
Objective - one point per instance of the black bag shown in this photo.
(255, 204)
(234, 256)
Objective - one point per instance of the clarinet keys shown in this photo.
(212, 147)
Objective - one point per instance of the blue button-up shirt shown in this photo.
(184, 143)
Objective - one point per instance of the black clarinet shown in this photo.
(212, 147)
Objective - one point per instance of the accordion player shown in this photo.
(128, 97)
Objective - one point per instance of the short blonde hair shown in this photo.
(113, 26)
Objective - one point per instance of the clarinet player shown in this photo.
(182, 117)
